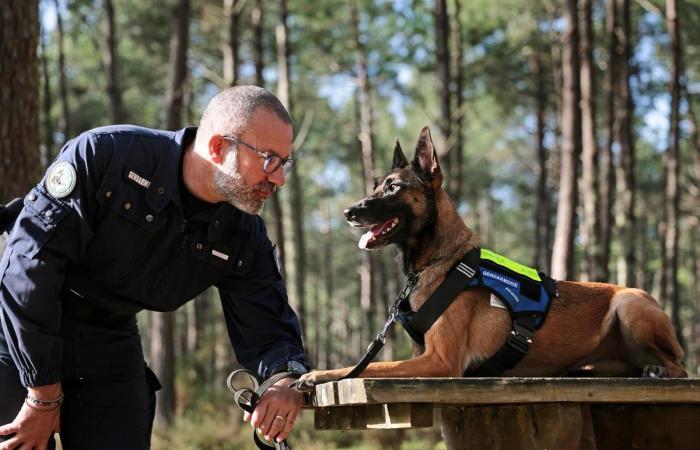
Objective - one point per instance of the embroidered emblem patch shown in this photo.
(60, 179)
(138, 179)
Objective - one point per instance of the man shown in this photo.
(126, 219)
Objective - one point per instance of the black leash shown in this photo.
(380, 340)
(247, 392)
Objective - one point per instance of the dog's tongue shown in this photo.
(367, 239)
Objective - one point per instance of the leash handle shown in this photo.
(247, 398)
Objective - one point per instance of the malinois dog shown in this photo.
(595, 328)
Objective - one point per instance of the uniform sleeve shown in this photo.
(51, 232)
(264, 330)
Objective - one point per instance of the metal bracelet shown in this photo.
(38, 402)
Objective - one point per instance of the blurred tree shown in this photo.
(590, 224)
(564, 233)
(64, 121)
(625, 219)
(233, 9)
(111, 61)
(19, 98)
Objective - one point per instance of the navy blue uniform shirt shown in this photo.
(121, 240)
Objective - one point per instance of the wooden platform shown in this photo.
(522, 413)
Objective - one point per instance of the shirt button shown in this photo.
(48, 214)
(161, 190)
(149, 218)
(217, 222)
(32, 197)
(240, 263)
(127, 205)
(108, 194)
(199, 246)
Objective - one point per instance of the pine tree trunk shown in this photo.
(256, 18)
(457, 57)
(442, 65)
(562, 252)
(295, 183)
(541, 258)
(19, 98)
(110, 59)
(179, 42)
(607, 188)
(627, 189)
(672, 191)
(46, 123)
(163, 364)
(232, 11)
(366, 139)
(64, 119)
(590, 224)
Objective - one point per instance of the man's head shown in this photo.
(240, 127)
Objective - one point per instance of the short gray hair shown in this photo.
(229, 111)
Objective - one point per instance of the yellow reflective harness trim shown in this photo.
(510, 264)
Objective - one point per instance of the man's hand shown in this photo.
(34, 426)
(276, 412)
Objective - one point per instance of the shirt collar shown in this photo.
(165, 184)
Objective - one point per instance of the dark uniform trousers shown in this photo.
(109, 392)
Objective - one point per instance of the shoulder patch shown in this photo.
(60, 179)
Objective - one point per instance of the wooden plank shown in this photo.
(393, 416)
(484, 391)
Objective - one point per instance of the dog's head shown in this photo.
(402, 205)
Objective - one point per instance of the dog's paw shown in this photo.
(309, 380)
(654, 372)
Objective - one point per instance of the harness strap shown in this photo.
(457, 279)
(517, 345)
(247, 399)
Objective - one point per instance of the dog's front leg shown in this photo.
(425, 365)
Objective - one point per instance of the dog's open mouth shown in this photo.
(377, 233)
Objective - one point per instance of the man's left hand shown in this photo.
(276, 411)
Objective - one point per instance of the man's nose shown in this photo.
(277, 177)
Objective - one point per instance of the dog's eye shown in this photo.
(392, 188)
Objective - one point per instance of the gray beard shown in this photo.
(231, 186)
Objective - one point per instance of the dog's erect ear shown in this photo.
(400, 160)
(426, 158)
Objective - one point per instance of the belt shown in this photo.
(76, 306)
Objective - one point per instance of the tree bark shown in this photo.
(19, 98)
(232, 10)
(562, 252)
(627, 193)
(672, 162)
(295, 183)
(179, 42)
(590, 225)
(46, 123)
(64, 119)
(365, 136)
(256, 18)
(163, 364)
(442, 66)
(607, 188)
(110, 59)
(455, 177)
(541, 258)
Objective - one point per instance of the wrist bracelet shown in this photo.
(37, 402)
(53, 407)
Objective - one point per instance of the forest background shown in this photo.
(567, 130)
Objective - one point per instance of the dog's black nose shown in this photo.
(349, 214)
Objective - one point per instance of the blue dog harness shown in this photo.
(524, 291)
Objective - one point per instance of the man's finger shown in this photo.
(8, 429)
(9, 444)
(259, 415)
(276, 426)
(291, 417)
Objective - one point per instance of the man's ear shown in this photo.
(426, 159)
(400, 160)
(217, 148)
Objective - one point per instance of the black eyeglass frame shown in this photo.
(272, 161)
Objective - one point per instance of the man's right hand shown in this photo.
(34, 426)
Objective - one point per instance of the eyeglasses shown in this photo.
(271, 162)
